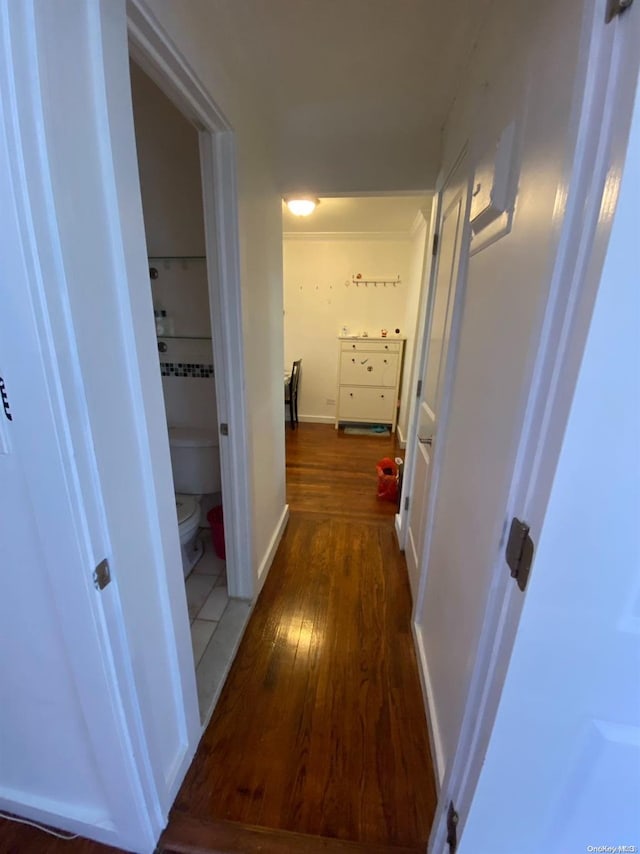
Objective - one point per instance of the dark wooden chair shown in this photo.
(291, 393)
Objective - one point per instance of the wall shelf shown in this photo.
(358, 280)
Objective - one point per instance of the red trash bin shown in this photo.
(387, 479)
(215, 518)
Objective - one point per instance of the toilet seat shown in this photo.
(186, 507)
(191, 545)
(188, 511)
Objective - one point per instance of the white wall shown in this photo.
(524, 68)
(567, 733)
(260, 219)
(170, 183)
(80, 57)
(318, 303)
(169, 161)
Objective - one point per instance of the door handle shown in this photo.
(427, 441)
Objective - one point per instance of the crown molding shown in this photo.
(421, 219)
(317, 236)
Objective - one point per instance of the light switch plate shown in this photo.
(492, 187)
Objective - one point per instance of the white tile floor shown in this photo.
(217, 623)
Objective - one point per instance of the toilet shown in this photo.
(195, 462)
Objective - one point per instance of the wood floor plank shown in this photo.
(20, 839)
(192, 836)
(320, 728)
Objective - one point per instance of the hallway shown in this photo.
(320, 728)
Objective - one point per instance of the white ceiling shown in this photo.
(354, 92)
(369, 214)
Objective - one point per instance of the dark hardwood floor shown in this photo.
(319, 740)
(20, 839)
(320, 728)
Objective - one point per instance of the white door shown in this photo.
(566, 738)
(552, 716)
(65, 753)
(439, 325)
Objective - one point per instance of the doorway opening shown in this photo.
(180, 275)
(353, 277)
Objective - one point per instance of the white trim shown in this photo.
(413, 553)
(160, 58)
(420, 355)
(87, 823)
(329, 193)
(444, 403)
(35, 210)
(217, 154)
(316, 419)
(346, 235)
(401, 437)
(156, 53)
(435, 742)
(272, 548)
(605, 82)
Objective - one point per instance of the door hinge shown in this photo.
(452, 828)
(436, 240)
(615, 8)
(519, 553)
(101, 575)
(406, 503)
(224, 429)
(5, 400)
(419, 388)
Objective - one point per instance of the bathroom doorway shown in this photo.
(183, 290)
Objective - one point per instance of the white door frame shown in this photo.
(160, 59)
(90, 620)
(422, 340)
(608, 72)
(420, 356)
(447, 381)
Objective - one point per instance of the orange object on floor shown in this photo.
(387, 479)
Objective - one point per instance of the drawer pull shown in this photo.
(370, 368)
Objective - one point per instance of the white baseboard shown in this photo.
(432, 721)
(93, 824)
(267, 560)
(397, 522)
(402, 440)
(318, 419)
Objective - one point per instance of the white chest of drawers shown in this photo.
(369, 371)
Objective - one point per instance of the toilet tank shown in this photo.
(195, 460)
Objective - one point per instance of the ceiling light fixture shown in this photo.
(301, 206)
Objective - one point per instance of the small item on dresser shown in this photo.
(383, 333)
(365, 335)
